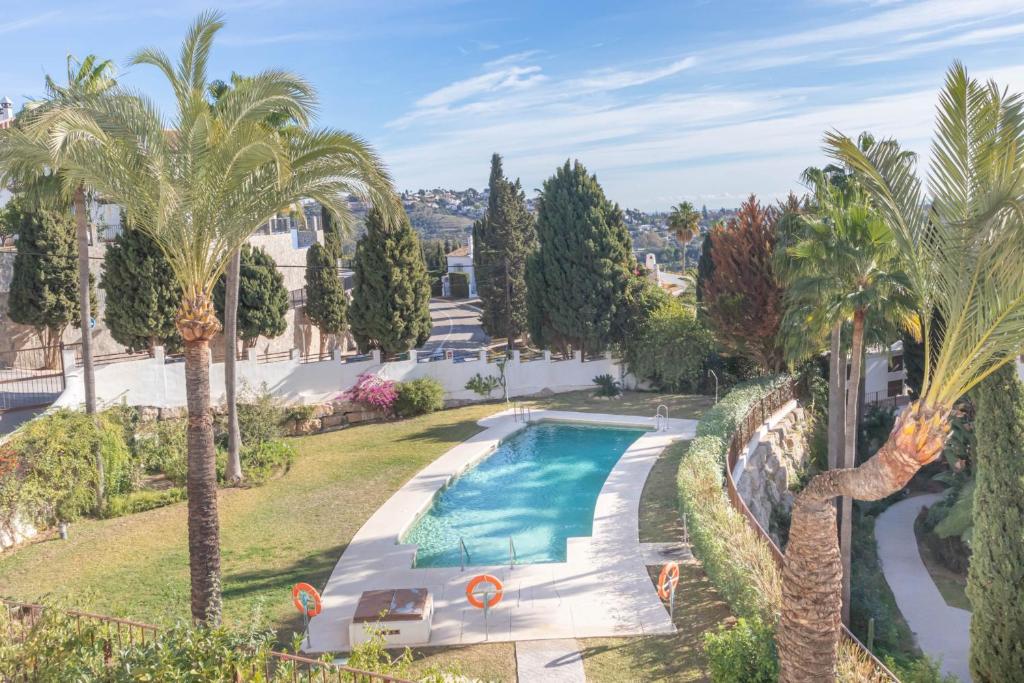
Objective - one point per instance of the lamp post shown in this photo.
(711, 373)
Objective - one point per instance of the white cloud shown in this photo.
(27, 22)
(510, 78)
(610, 79)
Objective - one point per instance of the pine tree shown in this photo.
(326, 303)
(332, 235)
(502, 241)
(577, 279)
(996, 571)
(44, 284)
(390, 307)
(262, 298)
(142, 293)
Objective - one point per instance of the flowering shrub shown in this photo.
(373, 391)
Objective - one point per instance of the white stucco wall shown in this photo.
(151, 382)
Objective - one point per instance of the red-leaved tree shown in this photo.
(742, 297)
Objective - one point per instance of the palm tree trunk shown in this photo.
(233, 470)
(85, 318)
(197, 324)
(836, 393)
(809, 628)
(850, 453)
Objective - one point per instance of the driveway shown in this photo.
(456, 326)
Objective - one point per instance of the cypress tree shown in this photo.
(705, 266)
(142, 293)
(262, 298)
(577, 280)
(390, 307)
(326, 304)
(996, 572)
(44, 284)
(332, 235)
(502, 241)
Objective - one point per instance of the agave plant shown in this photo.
(964, 257)
(200, 183)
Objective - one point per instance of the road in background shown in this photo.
(456, 327)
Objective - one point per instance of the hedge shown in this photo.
(458, 284)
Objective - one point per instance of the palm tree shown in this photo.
(684, 220)
(30, 162)
(964, 258)
(843, 270)
(199, 189)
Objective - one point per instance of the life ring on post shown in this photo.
(311, 606)
(476, 581)
(668, 580)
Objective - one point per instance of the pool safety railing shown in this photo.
(512, 558)
(661, 418)
(522, 413)
(463, 555)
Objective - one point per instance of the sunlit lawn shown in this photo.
(294, 528)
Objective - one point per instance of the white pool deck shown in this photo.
(602, 589)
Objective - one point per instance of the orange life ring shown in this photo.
(668, 579)
(298, 590)
(476, 581)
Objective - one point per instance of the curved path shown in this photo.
(942, 632)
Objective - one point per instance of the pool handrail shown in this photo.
(661, 418)
(512, 556)
(463, 555)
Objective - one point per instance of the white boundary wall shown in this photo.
(152, 382)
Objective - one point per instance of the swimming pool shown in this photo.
(539, 487)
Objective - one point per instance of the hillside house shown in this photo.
(460, 261)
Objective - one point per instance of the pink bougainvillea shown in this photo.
(373, 391)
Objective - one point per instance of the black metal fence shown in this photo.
(30, 377)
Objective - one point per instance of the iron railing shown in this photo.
(23, 617)
(30, 377)
(755, 417)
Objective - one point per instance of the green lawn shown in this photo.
(295, 527)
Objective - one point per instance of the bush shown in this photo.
(260, 416)
(140, 501)
(458, 284)
(670, 349)
(262, 459)
(607, 386)
(418, 397)
(483, 386)
(743, 653)
(161, 447)
(373, 391)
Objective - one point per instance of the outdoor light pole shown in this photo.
(711, 373)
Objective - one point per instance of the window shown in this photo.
(896, 363)
(895, 388)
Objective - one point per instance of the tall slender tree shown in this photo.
(326, 302)
(577, 279)
(200, 191)
(684, 221)
(963, 252)
(502, 241)
(262, 297)
(390, 307)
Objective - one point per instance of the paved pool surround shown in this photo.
(602, 589)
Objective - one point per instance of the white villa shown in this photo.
(460, 261)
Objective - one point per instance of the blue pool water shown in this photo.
(539, 487)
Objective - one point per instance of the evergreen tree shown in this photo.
(578, 278)
(142, 293)
(502, 241)
(705, 266)
(332, 235)
(996, 571)
(44, 284)
(326, 304)
(390, 307)
(262, 298)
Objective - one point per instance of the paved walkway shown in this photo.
(550, 661)
(943, 632)
(602, 589)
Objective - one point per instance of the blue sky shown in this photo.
(664, 101)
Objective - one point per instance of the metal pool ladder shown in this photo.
(512, 558)
(661, 418)
(463, 555)
(522, 413)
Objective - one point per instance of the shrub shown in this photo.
(483, 386)
(373, 392)
(418, 397)
(743, 653)
(140, 501)
(262, 459)
(260, 416)
(607, 386)
(458, 284)
(162, 447)
(670, 349)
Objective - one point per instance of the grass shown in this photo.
(291, 529)
(659, 506)
(952, 586)
(483, 662)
